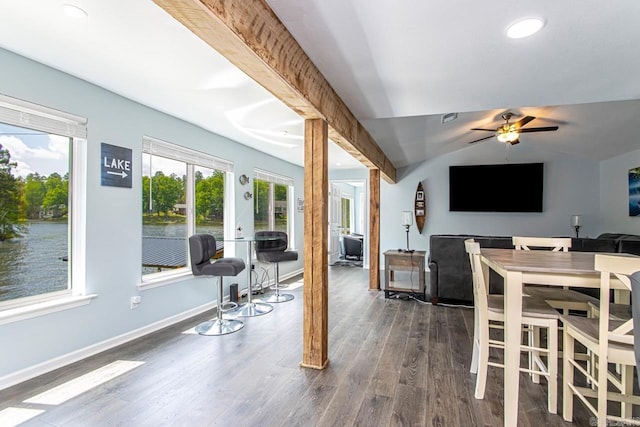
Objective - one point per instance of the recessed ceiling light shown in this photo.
(74, 11)
(525, 28)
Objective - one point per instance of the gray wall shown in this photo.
(570, 187)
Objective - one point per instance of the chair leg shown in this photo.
(567, 376)
(535, 340)
(626, 378)
(219, 325)
(474, 355)
(277, 296)
(483, 361)
(552, 367)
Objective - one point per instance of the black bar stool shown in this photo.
(202, 247)
(271, 246)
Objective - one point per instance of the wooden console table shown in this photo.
(413, 262)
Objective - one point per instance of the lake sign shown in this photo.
(115, 166)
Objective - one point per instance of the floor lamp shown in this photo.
(407, 221)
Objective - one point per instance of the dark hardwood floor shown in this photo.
(393, 362)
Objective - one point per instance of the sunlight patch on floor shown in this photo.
(86, 382)
(10, 417)
(293, 285)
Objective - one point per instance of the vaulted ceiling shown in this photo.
(398, 66)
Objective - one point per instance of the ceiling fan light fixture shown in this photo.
(509, 136)
(525, 28)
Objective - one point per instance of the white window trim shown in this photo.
(173, 151)
(30, 311)
(25, 114)
(264, 175)
(164, 278)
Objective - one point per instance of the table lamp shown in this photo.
(407, 221)
(576, 222)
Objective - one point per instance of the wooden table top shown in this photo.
(542, 261)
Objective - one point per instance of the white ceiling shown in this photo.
(398, 65)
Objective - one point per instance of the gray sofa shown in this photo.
(450, 272)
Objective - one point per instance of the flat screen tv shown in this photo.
(496, 188)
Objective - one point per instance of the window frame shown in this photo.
(28, 115)
(273, 179)
(192, 158)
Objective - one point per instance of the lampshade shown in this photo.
(407, 218)
(576, 221)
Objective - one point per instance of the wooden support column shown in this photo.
(374, 229)
(316, 222)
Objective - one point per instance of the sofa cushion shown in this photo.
(619, 236)
(593, 245)
(629, 246)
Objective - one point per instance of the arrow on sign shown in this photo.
(123, 174)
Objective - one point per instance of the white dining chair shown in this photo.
(564, 299)
(489, 314)
(611, 341)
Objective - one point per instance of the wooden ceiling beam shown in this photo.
(251, 36)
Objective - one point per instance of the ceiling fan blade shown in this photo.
(541, 129)
(523, 121)
(481, 139)
(488, 130)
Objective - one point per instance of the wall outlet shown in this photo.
(135, 301)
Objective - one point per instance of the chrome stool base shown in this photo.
(252, 309)
(217, 327)
(275, 298)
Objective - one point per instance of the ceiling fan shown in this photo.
(510, 132)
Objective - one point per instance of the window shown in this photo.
(345, 216)
(182, 194)
(271, 202)
(39, 190)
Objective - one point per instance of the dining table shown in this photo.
(517, 267)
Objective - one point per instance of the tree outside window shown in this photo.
(170, 214)
(271, 206)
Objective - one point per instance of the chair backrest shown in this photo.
(626, 268)
(202, 247)
(479, 284)
(352, 245)
(556, 244)
(271, 241)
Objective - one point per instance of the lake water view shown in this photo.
(35, 263)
